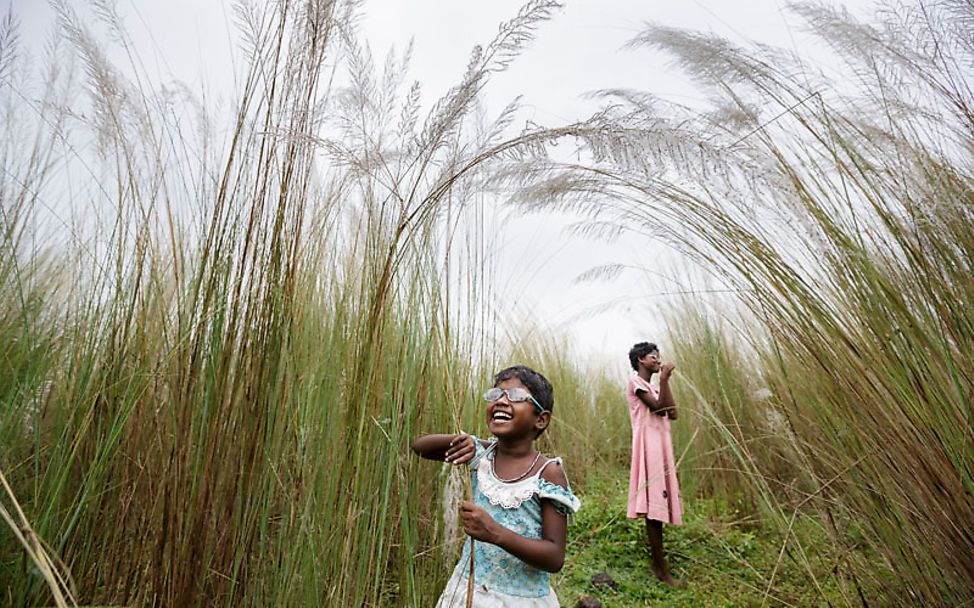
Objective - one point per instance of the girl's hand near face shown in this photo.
(479, 524)
(666, 395)
(462, 449)
(666, 370)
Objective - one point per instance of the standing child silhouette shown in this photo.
(521, 498)
(653, 490)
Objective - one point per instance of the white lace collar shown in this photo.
(500, 493)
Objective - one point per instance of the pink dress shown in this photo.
(653, 490)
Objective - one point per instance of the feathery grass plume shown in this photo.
(8, 45)
(840, 216)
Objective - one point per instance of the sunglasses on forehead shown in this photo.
(514, 395)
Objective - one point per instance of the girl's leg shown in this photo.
(654, 534)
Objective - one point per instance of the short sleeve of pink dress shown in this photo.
(653, 489)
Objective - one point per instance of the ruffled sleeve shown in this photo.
(564, 499)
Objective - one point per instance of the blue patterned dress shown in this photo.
(502, 580)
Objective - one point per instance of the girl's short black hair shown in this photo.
(638, 351)
(536, 383)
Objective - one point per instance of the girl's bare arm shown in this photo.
(668, 405)
(649, 400)
(457, 449)
(545, 553)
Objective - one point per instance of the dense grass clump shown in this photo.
(209, 389)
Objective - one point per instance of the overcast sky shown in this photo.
(580, 50)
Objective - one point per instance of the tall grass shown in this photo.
(208, 392)
(838, 208)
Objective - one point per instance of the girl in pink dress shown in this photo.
(653, 490)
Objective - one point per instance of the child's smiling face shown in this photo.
(513, 419)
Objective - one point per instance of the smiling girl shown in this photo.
(521, 498)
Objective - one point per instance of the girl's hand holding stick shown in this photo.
(478, 524)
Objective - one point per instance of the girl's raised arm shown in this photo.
(665, 404)
(456, 449)
(650, 401)
(665, 394)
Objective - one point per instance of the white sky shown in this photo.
(578, 51)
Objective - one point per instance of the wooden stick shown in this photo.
(470, 578)
(470, 574)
